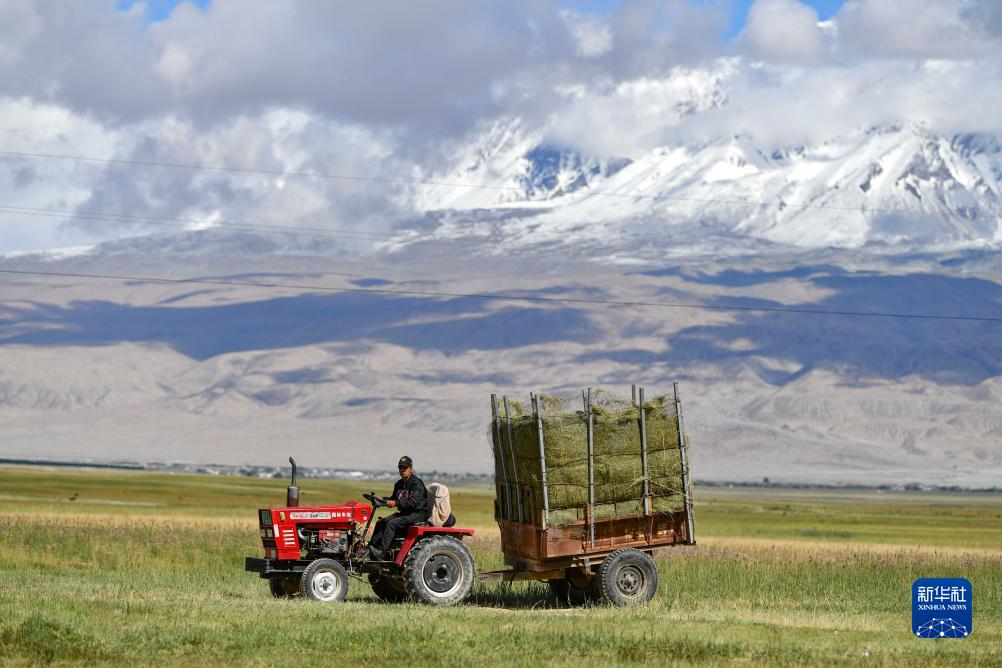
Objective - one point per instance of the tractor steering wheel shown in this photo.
(376, 501)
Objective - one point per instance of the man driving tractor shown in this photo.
(411, 501)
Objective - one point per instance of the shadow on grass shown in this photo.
(520, 596)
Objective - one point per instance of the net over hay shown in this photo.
(617, 456)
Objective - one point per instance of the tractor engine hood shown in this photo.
(280, 527)
(346, 513)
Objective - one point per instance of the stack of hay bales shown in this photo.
(618, 463)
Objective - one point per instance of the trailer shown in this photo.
(592, 556)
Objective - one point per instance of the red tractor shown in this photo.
(315, 550)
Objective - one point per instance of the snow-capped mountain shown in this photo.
(877, 185)
(510, 164)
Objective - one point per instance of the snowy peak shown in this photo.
(509, 164)
(889, 184)
(551, 172)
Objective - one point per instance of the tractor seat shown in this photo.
(448, 523)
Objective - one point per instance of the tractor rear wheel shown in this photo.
(575, 588)
(325, 580)
(283, 587)
(388, 589)
(627, 577)
(439, 571)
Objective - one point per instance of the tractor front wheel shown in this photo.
(325, 580)
(283, 587)
(439, 571)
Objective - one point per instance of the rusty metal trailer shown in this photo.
(595, 558)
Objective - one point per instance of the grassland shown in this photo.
(147, 569)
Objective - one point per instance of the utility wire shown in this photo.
(502, 297)
(185, 223)
(404, 236)
(478, 186)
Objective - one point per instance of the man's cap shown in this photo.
(405, 462)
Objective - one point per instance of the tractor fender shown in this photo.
(416, 533)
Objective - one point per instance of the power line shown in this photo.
(250, 170)
(405, 236)
(502, 297)
(185, 223)
(478, 186)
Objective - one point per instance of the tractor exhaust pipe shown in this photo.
(292, 496)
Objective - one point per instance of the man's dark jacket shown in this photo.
(411, 497)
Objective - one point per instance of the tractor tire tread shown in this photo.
(413, 570)
(606, 585)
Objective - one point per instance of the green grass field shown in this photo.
(148, 569)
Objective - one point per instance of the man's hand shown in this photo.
(391, 504)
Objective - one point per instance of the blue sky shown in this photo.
(158, 10)
(738, 9)
(825, 8)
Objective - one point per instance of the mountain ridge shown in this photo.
(883, 184)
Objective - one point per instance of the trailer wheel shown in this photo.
(325, 580)
(388, 589)
(283, 587)
(439, 571)
(627, 577)
(575, 588)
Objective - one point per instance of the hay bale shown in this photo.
(618, 464)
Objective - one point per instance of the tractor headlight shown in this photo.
(268, 533)
(263, 534)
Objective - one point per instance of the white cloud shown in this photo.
(786, 106)
(19, 25)
(278, 140)
(784, 31)
(778, 105)
(954, 29)
(592, 33)
(281, 140)
(85, 56)
(27, 126)
(435, 68)
(434, 63)
(634, 116)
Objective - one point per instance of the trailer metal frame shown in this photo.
(539, 550)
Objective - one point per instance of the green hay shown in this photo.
(618, 464)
